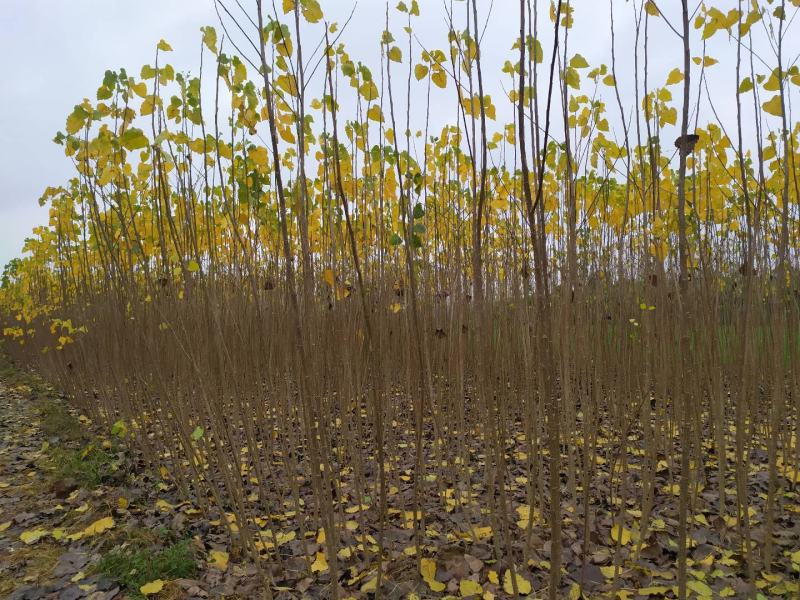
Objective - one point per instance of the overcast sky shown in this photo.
(53, 53)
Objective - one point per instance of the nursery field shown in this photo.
(420, 323)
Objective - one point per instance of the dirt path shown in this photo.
(78, 520)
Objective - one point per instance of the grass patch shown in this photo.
(9, 373)
(89, 467)
(134, 566)
(57, 421)
(33, 562)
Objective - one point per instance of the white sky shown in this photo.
(53, 53)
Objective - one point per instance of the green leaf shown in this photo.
(103, 93)
(197, 433)
(210, 38)
(119, 429)
(395, 240)
(133, 139)
(419, 211)
(746, 85)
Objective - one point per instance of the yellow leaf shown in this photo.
(32, 535)
(140, 89)
(654, 590)
(260, 157)
(370, 586)
(218, 559)
(523, 585)
(99, 526)
(701, 518)
(288, 83)
(651, 8)
(626, 534)
(75, 123)
(468, 587)
(572, 78)
(152, 588)
(375, 114)
(700, 588)
(524, 512)
(773, 84)
(329, 277)
(122, 503)
(575, 592)
(163, 505)
(311, 11)
(427, 568)
(369, 91)
(439, 78)
(320, 564)
(578, 62)
(675, 76)
(164, 46)
(608, 572)
(420, 71)
(489, 108)
(288, 6)
(493, 578)
(428, 572)
(395, 54)
(283, 538)
(4, 526)
(774, 106)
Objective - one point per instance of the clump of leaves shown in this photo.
(132, 567)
